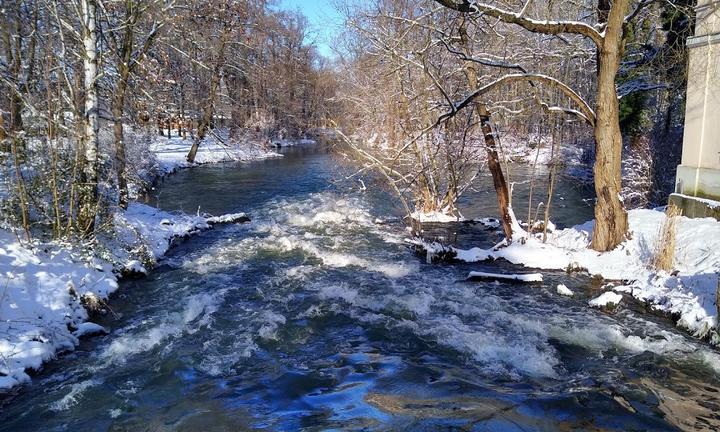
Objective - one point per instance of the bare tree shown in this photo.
(609, 37)
(129, 43)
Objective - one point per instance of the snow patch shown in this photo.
(527, 277)
(227, 218)
(689, 292)
(436, 217)
(563, 290)
(171, 154)
(88, 328)
(42, 286)
(605, 299)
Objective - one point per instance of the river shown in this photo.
(316, 316)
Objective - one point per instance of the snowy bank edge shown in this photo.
(687, 295)
(53, 313)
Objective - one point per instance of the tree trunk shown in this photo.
(603, 11)
(15, 61)
(208, 109)
(13, 50)
(611, 223)
(501, 189)
(557, 136)
(183, 131)
(120, 159)
(21, 191)
(499, 182)
(118, 108)
(89, 195)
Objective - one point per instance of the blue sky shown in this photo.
(323, 18)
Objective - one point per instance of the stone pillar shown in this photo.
(698, 178)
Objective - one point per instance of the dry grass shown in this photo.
(664, 252)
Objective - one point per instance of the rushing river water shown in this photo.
(315, 316)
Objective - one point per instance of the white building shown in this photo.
(698, 178)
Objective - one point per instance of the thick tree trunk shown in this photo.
(89, 194)
(603, 11)
(611, 223)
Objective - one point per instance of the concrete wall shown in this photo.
(699, 174)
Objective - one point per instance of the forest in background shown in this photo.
(88, 85)
(426, 94)
(563, 80)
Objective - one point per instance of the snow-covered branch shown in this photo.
(533, 25)
(585, 112)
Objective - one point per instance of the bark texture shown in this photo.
(610, 216)
(493, 159)
(89, 192)
(118, 106)
(611, 223)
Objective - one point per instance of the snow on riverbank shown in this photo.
(44, 287)
(41, 308)
(436, 217)
(171, 153)
(292, 142)
(689, 293)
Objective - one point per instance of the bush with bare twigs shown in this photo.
(662, 258)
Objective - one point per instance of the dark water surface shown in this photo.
(315, 317)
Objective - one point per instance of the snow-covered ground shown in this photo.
(435, 217)
(516, 148)
(171, 153)
(292, 142)
(444, 216)
(689, 292)
(46, 287)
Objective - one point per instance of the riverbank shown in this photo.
(168, 155)
(687, 294)
(49, 291)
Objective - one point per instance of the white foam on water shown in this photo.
(324, 209)
(314, 311)
(196, 314)
(271, 325)
(526, 352)
(710, 359)
(419, 304)
(339, 291)
(219, 358)
(504, 338)
(74, 396)
(498, 342)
